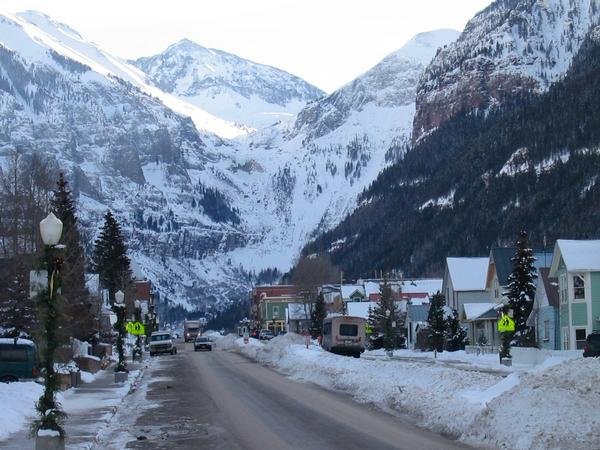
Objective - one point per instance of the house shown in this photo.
(269, 304)
(576, 264)
(353, 293)
(544, 314)
(465, 282)
(416, 318)
(482, 323)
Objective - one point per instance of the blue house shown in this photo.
(544, 316)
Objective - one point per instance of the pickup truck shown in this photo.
(162, 342)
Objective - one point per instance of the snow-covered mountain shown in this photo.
(509, 47)
(227, 86)
(91, 115)
(305, 175)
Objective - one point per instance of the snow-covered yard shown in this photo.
(552, 407)
(18, 406)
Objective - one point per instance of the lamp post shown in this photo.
(51, 415)
(119, 308)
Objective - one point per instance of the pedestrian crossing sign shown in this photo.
(506, 324)
(135, 328)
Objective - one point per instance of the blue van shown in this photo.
(18, 360)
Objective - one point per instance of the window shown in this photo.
(562, 291)
(275, 311)
(580, 335)
(13, 353)
(578, 287)
(347, 329)
(546, 330)
(327, 328)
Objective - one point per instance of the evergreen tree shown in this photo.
(18, 315)
(521, 290)
(456, 335)
(78, 314)
(437, 322)
(110, 258)
(385, 315)
(318, 315)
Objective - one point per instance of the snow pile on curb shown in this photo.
(18, 406)
(550, 408)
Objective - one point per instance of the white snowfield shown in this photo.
(547, 408)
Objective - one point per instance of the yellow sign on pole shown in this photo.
(506, 324)
(135, 328)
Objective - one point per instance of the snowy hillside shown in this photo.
(305, 175)
(122, 149)
(511, 46)
(226, 85)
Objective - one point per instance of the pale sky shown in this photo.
(326, 42)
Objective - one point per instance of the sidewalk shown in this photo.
(90, 408)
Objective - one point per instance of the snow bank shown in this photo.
(18, 406)
(485, 406)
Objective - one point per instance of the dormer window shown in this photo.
(578, 287)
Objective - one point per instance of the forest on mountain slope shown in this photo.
(532, 163)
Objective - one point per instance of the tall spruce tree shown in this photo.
(385, 315)
(78, 315)
(437, 322)
(110, 258)
(456, 335)
(18, 314)
(318, 315)
(520, 291)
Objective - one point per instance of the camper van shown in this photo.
(18, 360)
(344, 335)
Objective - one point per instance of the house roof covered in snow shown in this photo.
(348, 290)
(468, 274)
(428, 285)
(371, 287)
(360, 309)
(577, 255)
(475, 311)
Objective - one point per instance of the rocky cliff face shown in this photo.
(226, 85)
(509, 47)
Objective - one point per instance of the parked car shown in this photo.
(255, 334)
(203, 343)
(18, 360)
(266, 335)
(592, 345)
(162, 342)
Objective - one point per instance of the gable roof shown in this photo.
(577, 255)
(474, 311)
(468, 274)
(349, 289)
(502, 258)
(417, 313)
(550, 286)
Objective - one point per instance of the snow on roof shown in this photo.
(360, 309)
(577, 255)
(19, 341)
(371, 287)
(468, 274)
(475, 310)
(349, 289)
(429, 285)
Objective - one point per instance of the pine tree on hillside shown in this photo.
(318, 315)
(456, 335)
(437, 322)
(110, 258)
(521, 290)
(78, 320)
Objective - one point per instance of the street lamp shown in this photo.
(137, 314)
(119, 308)
(50, 413)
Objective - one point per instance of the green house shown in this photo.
(576, 264)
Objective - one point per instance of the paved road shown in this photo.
(220, 400)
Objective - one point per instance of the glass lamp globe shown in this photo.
(51, 229)
(119, 297)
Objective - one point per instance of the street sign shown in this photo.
(506, 324)
(135, 328)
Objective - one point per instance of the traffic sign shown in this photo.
(135, 328)
(506, 324)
